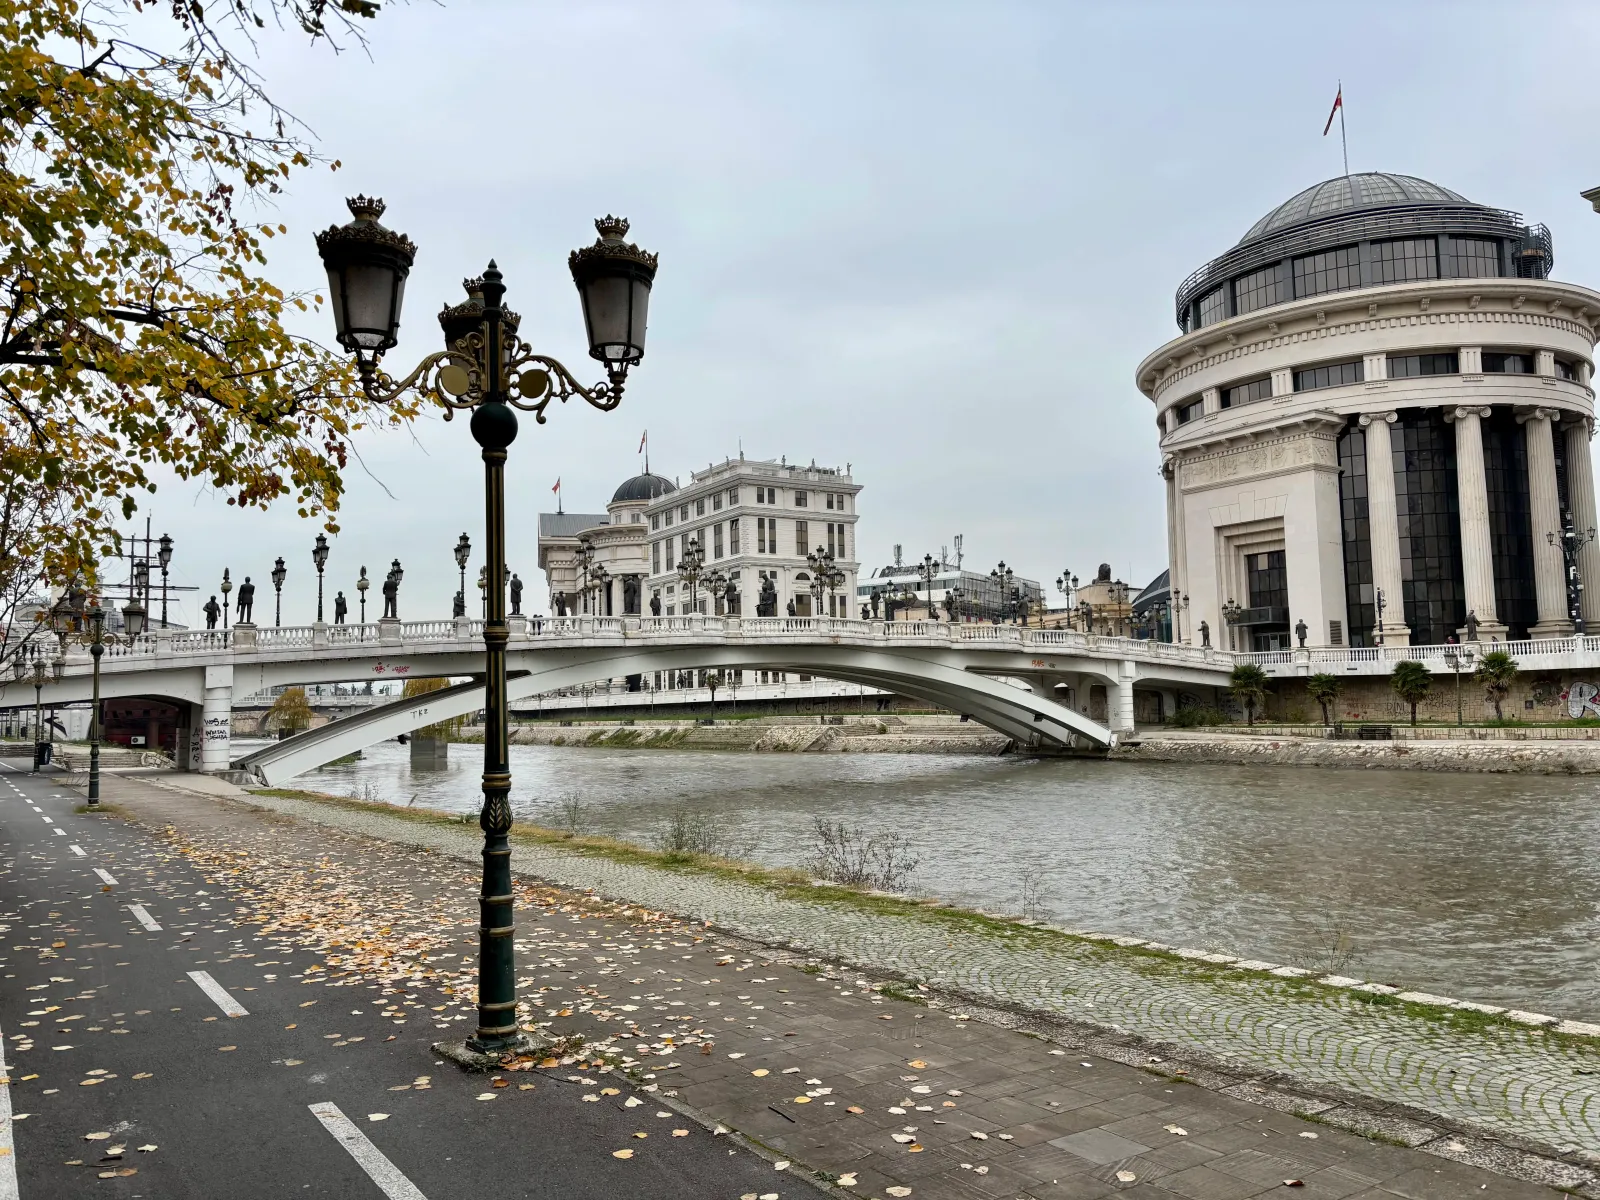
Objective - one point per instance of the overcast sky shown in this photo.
(929, 240)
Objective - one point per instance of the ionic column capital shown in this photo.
(1388, 418)
(1467, 410)
(1537, 414)
(1169, 466)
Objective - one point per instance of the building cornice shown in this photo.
(1536, 302)
(1221, 441)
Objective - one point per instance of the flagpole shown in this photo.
(1343, 144)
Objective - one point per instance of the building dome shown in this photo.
(1341, 194)
(643, 487)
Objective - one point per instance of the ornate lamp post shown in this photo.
(927, 572)
(141, 581)
(488, 369)
(95, 636)
(1002, 577)
(319, 556)
(279, 574)
(164, 557)
(1067, 585)
(715, 582)
(227, 586)
(463, 552)
(1231, 612)
(690, 568)
(1180, 605)
(1572, 540)
(1378, 603)
(1459, 658)
(483, 590)
(362, 584)
(40, 672)
(957, 598)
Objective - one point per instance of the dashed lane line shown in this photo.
(8, 1147)
(368, 1157)
(105, 876)
(218, 994)
(79, 851)
(61, 831)
(144, 918)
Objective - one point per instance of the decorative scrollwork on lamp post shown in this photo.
(487, 368)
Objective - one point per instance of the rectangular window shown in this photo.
(667, 516)
(1247, 393)
(671, 609)
(1407, 258)
(1213, 307)
(733, 536)
(1191, 411)
(761, 535)
(700, 507)
(830, 499)
(716, 541)
(733, 497)
(655, 521)
(1331, 271)
(669, 554)
(799, 499)
(683, 545)
(831, 549)
(1497, 363)
(1475, 258)
(1565, 369)
(1332, 375)
(1335, 633)
(1408, 366)
(1267, 579)
(655, 558)
(844, 551)
(1258, 290)
(683, 512)
(716, 502)
(802, 537)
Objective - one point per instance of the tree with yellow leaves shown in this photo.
(139, 156)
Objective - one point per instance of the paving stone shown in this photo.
(1099, 1145)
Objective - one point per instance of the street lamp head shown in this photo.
(165, 553)
(279, 574)
(319, 555)
(394, 569)
(363, 583)
(463, 551)
(58, 667)
(367, 267)
(227, 582)
(133, 618)
(141, 575)
(97, 621)
(614, 279)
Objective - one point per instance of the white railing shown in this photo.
(283, 635)
(196, 640)
(139, 646)
(422, 631)
(351, 635)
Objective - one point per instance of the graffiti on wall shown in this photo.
(1583, 700)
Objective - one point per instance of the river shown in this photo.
(1478, 886)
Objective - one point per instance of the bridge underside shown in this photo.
(1031, 720)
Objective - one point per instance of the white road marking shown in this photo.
(46, 819)
(105, 876)
(368, 1157)
(144, 918)
(79, 851)
(62, 832)
(8, 1149)
(218, 994)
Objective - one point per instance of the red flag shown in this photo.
(557, 487)
(1338, 103)
(645, 438)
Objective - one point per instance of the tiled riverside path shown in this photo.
(1161, 1076)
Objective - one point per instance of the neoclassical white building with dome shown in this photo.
(1375, 420)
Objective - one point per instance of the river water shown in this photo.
(1478, 886)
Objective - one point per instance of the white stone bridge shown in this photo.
(1030, 684)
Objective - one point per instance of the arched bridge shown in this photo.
(1030, 684)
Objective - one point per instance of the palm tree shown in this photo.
(1324, 689)
(1496, 670)
(1248, 685)
(1411, 682)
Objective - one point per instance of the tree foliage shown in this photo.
(1248, 684)
(440, 731)
(290, 711)
(139, 159)
(1324, 689)
(1412, 683)
(1496, 670)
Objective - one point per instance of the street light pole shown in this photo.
(463, 552)
(164, 556)
(362, 584)
(38, 711)
(1571, 540)
(227, 587)
(486, 368)
(319, 557)
(279, 574)
(1458, 657)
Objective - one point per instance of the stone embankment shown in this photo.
(1543, 757)
(792, 735)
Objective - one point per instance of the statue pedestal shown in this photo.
(463, 628)
(244, 636)
(517, 624)
(319, 635)
(388, 631)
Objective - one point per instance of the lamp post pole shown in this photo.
(164, 556)
(1571, 540)
(463, 552)
(362, 584)
(319, 557)
(279, 574)
(486, 368)
(1457, 658)
(1378, 603)
(227, 587)
(38, 711)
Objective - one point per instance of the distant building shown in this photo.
(901, 592)
(618, 542)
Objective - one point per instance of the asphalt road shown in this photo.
(129, 1078)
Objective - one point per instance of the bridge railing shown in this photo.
(351, 635)
(274, 636)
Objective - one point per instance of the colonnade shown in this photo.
(1477, 551)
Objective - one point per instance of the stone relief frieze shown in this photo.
(1265, 458)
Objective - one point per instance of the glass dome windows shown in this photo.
(1259, 290)
(1330, 271)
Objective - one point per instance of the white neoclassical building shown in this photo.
(1376, 414)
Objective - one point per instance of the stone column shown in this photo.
(1119, 699)
(216, 720)
(1169, 472)
(1544, 502)
(1580, 491)
(1384, 522)
(1472, 499)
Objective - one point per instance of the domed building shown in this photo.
(596, 562)
(1375, 415)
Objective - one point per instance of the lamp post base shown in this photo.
(470, 1057)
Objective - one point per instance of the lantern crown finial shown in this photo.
(366, 208)
(611, 229)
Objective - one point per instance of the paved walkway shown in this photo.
(818, 1064)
